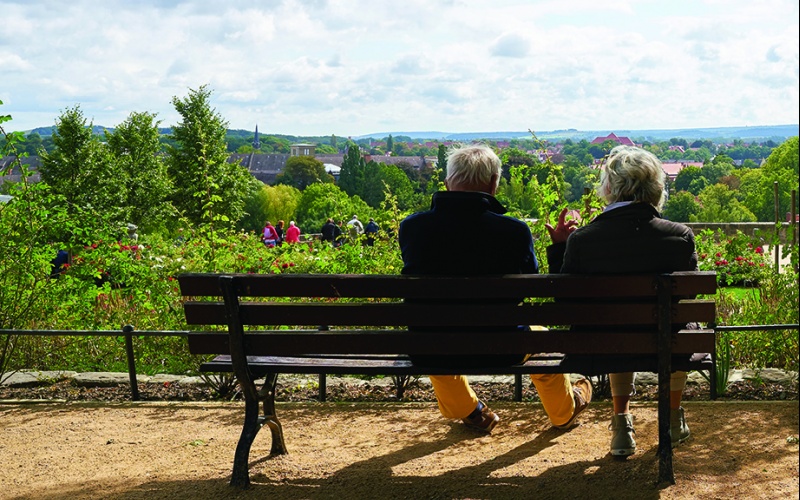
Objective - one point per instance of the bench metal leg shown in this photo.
(665, 471)
(267, 395)
(240, 477)
(253, 422)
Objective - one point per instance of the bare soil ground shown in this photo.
(369, 448)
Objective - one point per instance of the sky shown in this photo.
(360, 67)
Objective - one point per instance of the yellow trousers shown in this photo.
(457, 399)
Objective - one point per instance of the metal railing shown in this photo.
(129, 332)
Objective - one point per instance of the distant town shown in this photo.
(265, 155)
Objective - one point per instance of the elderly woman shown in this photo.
(629, 236)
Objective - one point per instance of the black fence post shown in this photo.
(128, 331)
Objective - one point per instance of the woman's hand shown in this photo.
(563, 229)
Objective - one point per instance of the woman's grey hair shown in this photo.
(472, 165)
(632, 174)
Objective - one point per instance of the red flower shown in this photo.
(703, 256)
(285, 265)
(291, 264)
(759, 250)
(719, 254)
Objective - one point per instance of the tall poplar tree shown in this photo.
(136, 148)
(207, 188)
(81, 167)
(353, 172)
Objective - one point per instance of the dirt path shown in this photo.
(385, 450)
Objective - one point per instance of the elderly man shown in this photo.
(466, 233)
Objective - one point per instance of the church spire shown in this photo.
(256, 143)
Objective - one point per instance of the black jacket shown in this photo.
(465, 233)
(626, 240)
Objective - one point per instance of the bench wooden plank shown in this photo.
(401, 365)
(473, 287)
(438, 315)
(288, 343)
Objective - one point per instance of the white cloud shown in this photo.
(352, 67)
(510, 45)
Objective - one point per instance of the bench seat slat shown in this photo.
(400, 365)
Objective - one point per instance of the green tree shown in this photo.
(512, 158)
(719, 204)
(324, 149)
(137, 150)
(389, 143)
(207, 187)
(320, 201)
(441, 161)
(271, 203)
(578, 178)
(300, 171)
(333, 142)
(382, 179)
(81, 168)
(718, 168)
(33, 144)
(353, 172)
(758, 185)
(687, 176)
(681, 207)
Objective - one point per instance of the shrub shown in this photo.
(738, 260)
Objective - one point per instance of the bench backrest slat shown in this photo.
(600, 308)
(419, 287)
(393, 342)
(456, 315)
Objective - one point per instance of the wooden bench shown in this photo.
(619, 323)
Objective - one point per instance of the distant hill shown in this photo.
(778, 133)
(760, 133)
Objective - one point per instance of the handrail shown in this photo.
(748, 328)
(127, 331)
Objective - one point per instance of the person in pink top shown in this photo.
(269, 236)
(292, 233)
